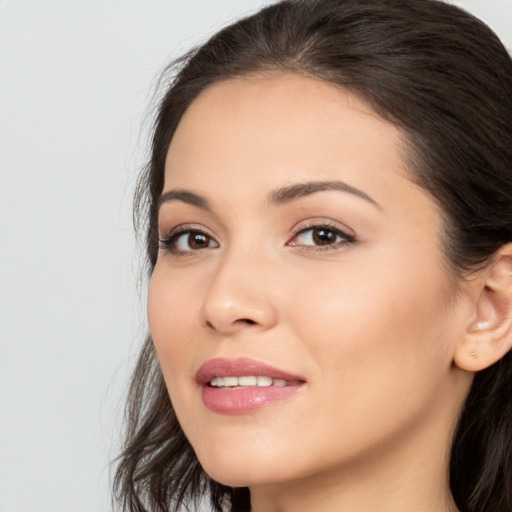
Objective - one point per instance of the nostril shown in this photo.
(246, 321)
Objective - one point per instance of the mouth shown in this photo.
(240, 386)
(250, 381)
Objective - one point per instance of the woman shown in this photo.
(329, 237)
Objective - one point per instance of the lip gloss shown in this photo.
(222, 392)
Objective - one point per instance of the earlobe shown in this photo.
(488, 336)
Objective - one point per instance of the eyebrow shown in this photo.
(281, 196)
(184, 196)
(293, 192)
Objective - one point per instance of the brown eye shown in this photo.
(197, 241)
(187, 241)
(323, 236)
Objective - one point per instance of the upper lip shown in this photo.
(239, 367)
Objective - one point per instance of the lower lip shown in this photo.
(244, 400)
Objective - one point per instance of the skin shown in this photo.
(372, 324)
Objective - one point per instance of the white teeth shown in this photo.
(248, 381)
(263, 381)
(217, 381)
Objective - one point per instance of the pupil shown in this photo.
(197, 241)
(324, 236)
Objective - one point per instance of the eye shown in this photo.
(187, 241)
(322, 236)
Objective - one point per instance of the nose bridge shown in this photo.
(240, 293)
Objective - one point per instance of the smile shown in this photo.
(250, 381)
(242, 386)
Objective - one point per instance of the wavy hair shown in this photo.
(444, 78)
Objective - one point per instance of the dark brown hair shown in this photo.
(445, 79)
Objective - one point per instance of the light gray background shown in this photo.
(75, 83)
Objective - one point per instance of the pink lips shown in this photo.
(242, 400)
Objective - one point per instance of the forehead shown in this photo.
(272, 125)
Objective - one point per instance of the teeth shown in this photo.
(246, 381)
(249, 380)
(263, 381)
(230, 381)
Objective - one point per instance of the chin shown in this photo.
(236, 474)
(245, 469)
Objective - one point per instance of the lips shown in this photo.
(239, 386)
(241, 367)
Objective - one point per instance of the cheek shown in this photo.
(378, 337)
(373, 307)
(171, 313)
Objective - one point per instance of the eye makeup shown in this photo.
(316, 235)
(186, 239)
(312, 235)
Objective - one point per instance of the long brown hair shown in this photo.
(445, 79)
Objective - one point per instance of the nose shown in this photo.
(240, 296)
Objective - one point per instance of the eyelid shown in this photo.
(166, 241)
(317, 223)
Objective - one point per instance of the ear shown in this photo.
(488, 334)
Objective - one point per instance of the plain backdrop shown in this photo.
(76, 79)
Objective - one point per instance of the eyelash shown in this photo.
(168, 242)
(301, 229)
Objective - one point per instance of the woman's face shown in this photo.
(296, 252)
